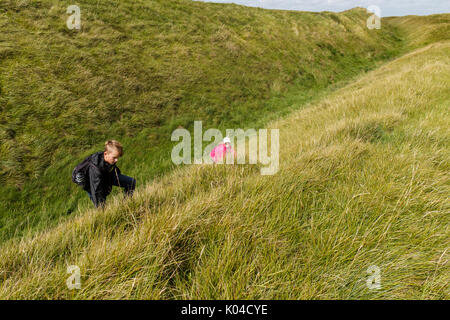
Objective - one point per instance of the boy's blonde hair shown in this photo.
(113, 145)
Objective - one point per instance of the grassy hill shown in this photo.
(422, 30)
(137, 70)
(363, 182)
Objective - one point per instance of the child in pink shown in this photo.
(219, 153)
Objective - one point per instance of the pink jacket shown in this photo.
(220, 152)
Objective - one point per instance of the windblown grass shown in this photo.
(422, 30)
(137, 70)
(363, 181)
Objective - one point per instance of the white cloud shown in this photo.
(388, 7)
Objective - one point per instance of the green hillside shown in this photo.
(363, 182)
(422, 30)
(138, 69)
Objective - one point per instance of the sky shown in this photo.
(387, 7)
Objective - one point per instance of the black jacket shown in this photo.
(101, 175)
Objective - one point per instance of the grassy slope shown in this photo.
(139, 69)
(363, 181)
(422, 30)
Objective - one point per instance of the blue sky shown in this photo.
(388, 7)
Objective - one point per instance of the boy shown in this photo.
(103, 174)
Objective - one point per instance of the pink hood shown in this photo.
(220, 152)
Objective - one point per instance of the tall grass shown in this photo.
(363, 181)
(422, 30)
(137, 70)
